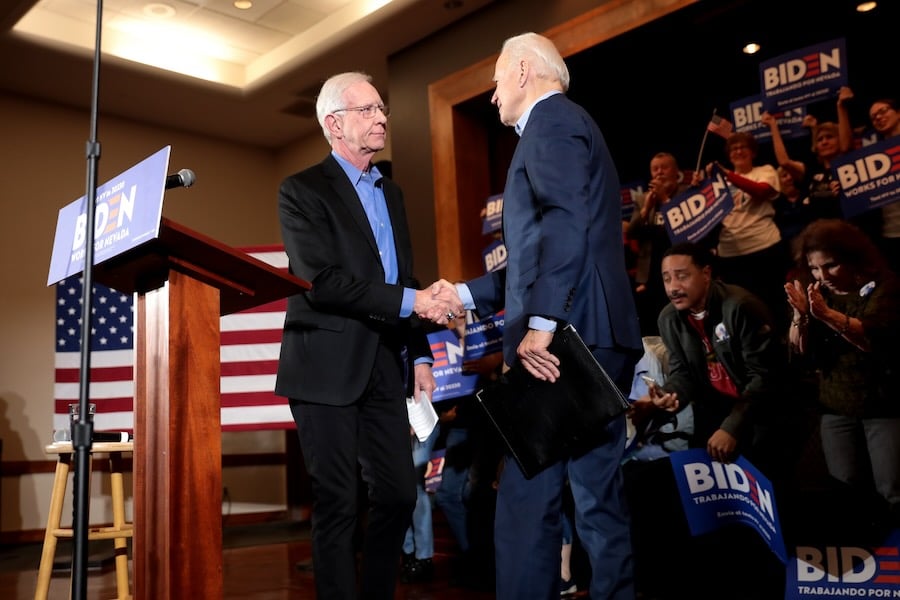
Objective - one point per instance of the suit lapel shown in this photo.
(398, 226)
(347, 195)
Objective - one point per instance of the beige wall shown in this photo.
(234, 200)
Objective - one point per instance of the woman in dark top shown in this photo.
(847, 321)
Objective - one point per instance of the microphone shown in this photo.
(183, 178)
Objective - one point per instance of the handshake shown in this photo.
(439, 303)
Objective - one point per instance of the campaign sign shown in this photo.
(845, 571)
(869, 176)
(689, 216)
(804, 76)
(494, 256)
(434, 470)
(484, 337)
(714, 494)
(128, 208)
(449, 350)
(492, 220)
(629, 192)
(746, 114)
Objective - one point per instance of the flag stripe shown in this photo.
(238, 399)
(125, 404)
(251, 337)
(249, 350)
(103, 375)
(97, 390)
(259, 367)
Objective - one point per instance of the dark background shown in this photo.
(654, 89)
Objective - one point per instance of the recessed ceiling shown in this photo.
(209, 68)
(210, 40)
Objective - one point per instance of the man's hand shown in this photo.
(721, 446)
(535, 356)
(424, 381)
(662, 399)
(439, 302)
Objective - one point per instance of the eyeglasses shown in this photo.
(368, 111)
(880, 112)
(737, 147)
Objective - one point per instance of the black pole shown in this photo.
(83, 426)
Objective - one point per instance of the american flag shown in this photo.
(250, 344)
(720, 126)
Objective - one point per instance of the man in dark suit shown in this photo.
(349, 342)
(562, 226)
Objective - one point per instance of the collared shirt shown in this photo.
(371, 195)
(523, 120)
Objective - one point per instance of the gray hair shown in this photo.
(331, 96)
(547, 62)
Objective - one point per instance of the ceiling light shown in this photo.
(866, 6)
(243, 4)
(159, 10)
(751, 48)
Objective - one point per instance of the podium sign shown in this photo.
(128, 212)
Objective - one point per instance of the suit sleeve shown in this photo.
(325, 247)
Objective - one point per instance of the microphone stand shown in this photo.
(83, 427)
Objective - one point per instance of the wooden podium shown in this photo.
(184, 282)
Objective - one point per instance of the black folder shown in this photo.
(542, 422)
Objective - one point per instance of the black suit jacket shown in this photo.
(332, 332)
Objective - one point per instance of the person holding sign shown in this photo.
(847, 321)
(885, 119)
(725, 364)
(647, 228)
(724, 353)
(750, 251)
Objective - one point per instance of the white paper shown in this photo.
(422, 417)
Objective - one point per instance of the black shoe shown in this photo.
(418, 570)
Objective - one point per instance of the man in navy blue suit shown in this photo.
(562, 225)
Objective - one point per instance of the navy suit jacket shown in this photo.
(562, 226)
(332, 332)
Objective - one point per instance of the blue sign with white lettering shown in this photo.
(128, 209)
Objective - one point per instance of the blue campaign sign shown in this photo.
(746, 114)
(494, 256)
(450, 351)
(689, 216)
(484, 337)
(868, 177)
(714, 494)
(128, 209)
(492, 220)
(804, 76)
(818, 571)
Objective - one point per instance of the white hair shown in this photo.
(549, 64)
(331, 96)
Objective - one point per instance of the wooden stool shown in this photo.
(118, 532)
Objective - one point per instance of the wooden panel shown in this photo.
(177, 458)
